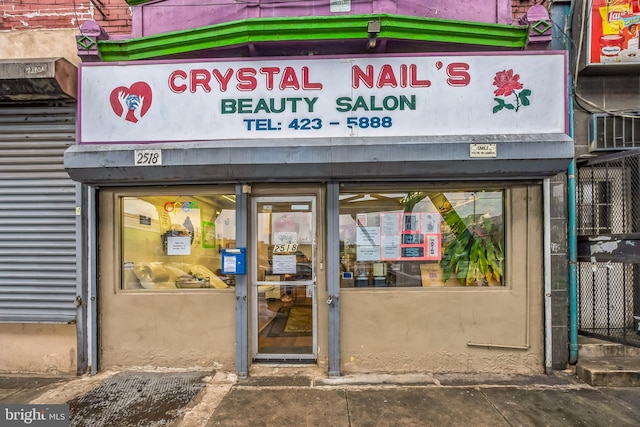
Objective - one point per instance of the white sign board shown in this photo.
(473, 94)
(284, 264)
(178, 245)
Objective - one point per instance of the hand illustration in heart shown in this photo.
(131, 103)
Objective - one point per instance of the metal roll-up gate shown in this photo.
(37, 213)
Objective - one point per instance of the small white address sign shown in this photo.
(483, 150)
(148, 157)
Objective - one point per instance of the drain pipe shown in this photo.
(571, 187)
(573, 283)
(548, 342)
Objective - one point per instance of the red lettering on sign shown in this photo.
(387, 76)
(246, 79)
(269, 73)
(172, 81)
(458, 75)
(200, 78)
(289, 79)
(306, 84)
(223, 79)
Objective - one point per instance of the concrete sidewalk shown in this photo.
(298, 396)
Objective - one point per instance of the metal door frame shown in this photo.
(253, 281)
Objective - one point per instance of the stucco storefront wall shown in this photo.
(444, 329)
(178, 329)
(39, 44)
(175, 328)
(38, 348)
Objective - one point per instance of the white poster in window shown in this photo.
(390, 247)
(178, 245)
(284, 264)
(431, 222)
(368, 253)
(390, 224)
(368, 236)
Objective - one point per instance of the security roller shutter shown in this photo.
(37, 213)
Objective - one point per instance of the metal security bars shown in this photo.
(608, 226)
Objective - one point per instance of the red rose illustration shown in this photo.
(506, 82)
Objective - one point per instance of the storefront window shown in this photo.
(175, 241)
(421, 238)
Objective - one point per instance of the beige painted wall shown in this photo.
(176, 328)
(38, 348)
(429, 329)
(424, 329)
(39, 44)
(180, 329)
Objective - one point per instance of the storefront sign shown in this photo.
(614, 31)
(323, 97)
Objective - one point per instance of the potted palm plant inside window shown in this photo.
(475, 255)
(473, 249)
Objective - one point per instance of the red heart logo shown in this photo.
(131, 103)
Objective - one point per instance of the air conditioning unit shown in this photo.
(608, 132)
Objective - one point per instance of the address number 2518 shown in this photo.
(148, 157)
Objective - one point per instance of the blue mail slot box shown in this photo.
(234, 261)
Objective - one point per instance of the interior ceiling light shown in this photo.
(232, 200)
(365, 198)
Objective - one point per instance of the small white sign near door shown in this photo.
(284, 264)
(178, 245)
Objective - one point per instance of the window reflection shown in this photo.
(175, 241)
(421, 238)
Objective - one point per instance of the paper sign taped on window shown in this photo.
(284, 264)
(178, 245)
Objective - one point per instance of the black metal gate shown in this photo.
(608, 227)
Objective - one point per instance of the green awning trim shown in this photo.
(314, 28)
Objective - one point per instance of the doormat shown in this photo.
(137, 399)
(296, 321)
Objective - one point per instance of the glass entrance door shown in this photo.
(283, 278)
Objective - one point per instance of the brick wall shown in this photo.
(520, 7)
(114, 16)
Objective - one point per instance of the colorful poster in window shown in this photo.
(208, 234)
(407, 236)
(614, 32)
